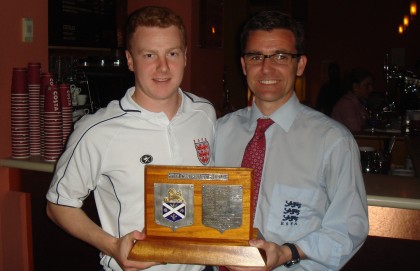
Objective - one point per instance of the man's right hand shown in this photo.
(122, 249)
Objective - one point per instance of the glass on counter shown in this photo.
(374, 162)
(411, 125)
(374, 120)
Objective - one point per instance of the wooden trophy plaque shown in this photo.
(198, 215)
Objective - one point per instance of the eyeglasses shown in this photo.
(278, 58)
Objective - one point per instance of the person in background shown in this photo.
(351, 109)
(330, 92)
(312, 207)
(154, 123)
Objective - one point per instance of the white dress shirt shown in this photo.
(312, 191)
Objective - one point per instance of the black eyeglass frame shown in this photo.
(270, 56)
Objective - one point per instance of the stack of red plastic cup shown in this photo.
(34, 86)
(66, 111)
(53, 132)
(20, 114)
(46, 81)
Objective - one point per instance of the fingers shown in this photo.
(257, 243)
(138, 235)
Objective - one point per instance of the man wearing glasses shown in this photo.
(311, 208)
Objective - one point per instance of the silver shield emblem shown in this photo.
(174, 205)
(222, 206)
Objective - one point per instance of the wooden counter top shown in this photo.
(392, 191)
(35, 163)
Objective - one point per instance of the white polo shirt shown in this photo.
(107, 153)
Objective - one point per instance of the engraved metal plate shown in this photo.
(174, 205)
(222, 206)
(197, 176)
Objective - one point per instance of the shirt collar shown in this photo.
(283, 116)
(128, 104)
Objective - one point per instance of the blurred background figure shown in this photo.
(330, 92)
(351, 109)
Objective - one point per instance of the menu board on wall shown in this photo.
(82, 23)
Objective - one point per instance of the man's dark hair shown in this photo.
(270, 20)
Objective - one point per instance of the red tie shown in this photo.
(254, 158)
(254, 155)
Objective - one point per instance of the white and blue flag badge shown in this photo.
(174, 205)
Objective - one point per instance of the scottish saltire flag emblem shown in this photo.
(202, 147)
(174, 206)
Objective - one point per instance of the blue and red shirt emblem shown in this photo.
(202, 147)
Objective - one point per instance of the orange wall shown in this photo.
(15, 53)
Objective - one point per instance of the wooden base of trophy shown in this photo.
(178, 251)
(198, 215)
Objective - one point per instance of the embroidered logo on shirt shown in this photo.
(146, 159)
(291, 213)
(202, 147)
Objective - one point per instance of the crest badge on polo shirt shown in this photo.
(202, 147)
(174, 205)
(291, 213)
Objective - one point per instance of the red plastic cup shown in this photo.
(34, 73)
(46, 80)
(65, 95)
(19, 85)
(52, 101)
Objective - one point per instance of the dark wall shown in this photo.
(358, 33)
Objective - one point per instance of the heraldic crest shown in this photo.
(177, 205)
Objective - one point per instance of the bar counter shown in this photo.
(391, 190)
(394, 201)
(393, 209)
(35, 163)
(382, 190)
